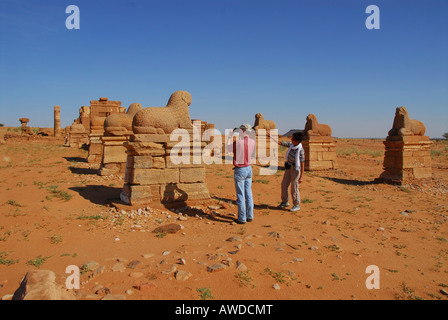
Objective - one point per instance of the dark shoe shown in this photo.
(283, 205)
(249, 220)
(239, 222)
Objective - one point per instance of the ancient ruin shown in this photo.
(407, 156)
(117, 130)
(57, 121)
(319, 145)
(77, 136)
(24, 126)
(99, 111)
(153, 172)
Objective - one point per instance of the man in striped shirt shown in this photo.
(294, 168)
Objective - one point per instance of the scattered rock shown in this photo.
(118, 267)
(216, 267)
(91, 265)
(136, 274)
(133, 264)
(276, 286)
(169, 228)
(147, 255)
(234, 239)
(41, 285)
(102, 291)
(115, 297)
(275, 234)
(145, 286)
(240, 266)
(182, 275)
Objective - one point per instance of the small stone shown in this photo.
(404, 213)
(276, 286)
(136, 274)
(91, 265)
(240, 266)
(147, 255)
(118, 267)
(130, 292)
(102, 291)
(181, 261)
(133, 264)
(216, 267)
(165, 253)
(182, 275)
(314, 248)
(444, 291)
(234, 239)
(169, 228)
(115, 297)
(145, 286)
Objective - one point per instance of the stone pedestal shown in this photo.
(114, 155)
(78, 139)
(320, 153)
(265, 152)
(95, 148)
(157, 171)
(406, 159)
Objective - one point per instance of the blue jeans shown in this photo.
(244, 199)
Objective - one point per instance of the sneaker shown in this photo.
(249, 220)
(238, 221)
(295, 208)
(283, 205)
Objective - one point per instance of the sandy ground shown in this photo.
(55, 212)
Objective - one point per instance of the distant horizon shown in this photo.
(283, 58)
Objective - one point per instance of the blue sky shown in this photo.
(285, 59)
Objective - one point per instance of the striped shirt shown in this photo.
(292, 154)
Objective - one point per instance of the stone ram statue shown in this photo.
(261, 123)
(314, 128)
(120, 124)
(156, 120)
(405, 126)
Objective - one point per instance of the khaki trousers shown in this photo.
(291, 177)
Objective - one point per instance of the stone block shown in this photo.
(189, 175)
(114, 154)
(151, 176)
(139, 162)
(184, 192)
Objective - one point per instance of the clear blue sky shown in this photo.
(285, 59)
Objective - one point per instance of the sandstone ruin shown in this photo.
(99, 111)
(319, 145)
(407, 156)
(117, 130)
(57, 121)
(151, 174)
(24, 126)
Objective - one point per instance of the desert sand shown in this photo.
(55, 211)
